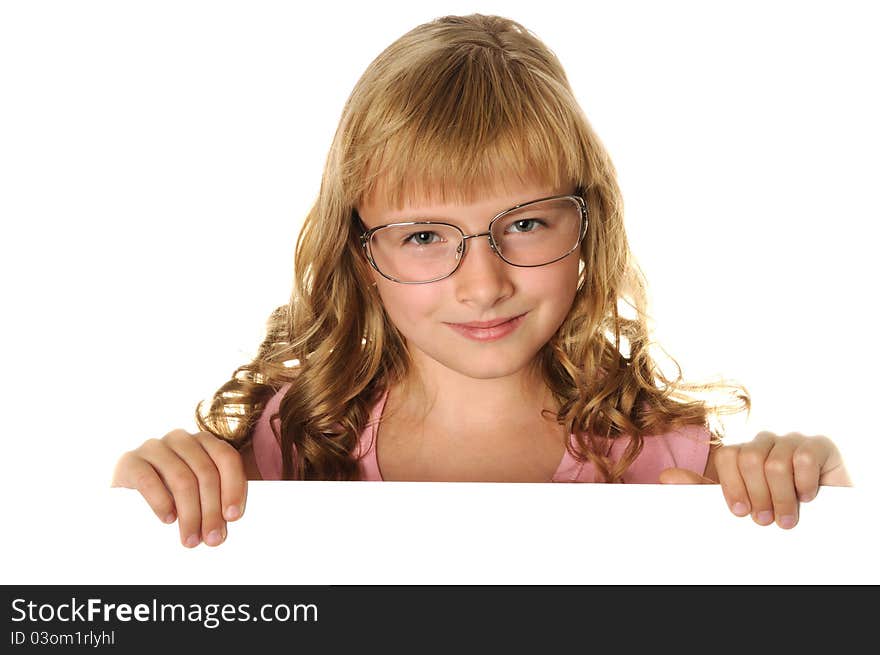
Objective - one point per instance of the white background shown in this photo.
(156, 161)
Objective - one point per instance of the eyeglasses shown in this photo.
(534, 233)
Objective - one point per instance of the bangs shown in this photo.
(480, 124)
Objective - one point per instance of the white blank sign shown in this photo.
(322, 533)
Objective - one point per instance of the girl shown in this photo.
(457, 313)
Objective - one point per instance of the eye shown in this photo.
(421, 238)
(526, 225)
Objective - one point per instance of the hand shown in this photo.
(769, 475)
(197, 478)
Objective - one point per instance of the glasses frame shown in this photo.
(462, 248)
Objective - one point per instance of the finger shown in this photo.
(133, 472)
(807, 460)
(750, 461)
(682, 476)
(779, 472)
(183, 485)
(188, 448)
(732, 485)
(233, 480)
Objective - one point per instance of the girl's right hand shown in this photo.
(197, 478)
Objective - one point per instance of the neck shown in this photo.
(451, 403)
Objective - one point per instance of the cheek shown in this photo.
(555, 285)
(407, 304)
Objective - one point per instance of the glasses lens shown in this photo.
(538, 233)
(415, 253)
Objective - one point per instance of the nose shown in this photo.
(482, 277)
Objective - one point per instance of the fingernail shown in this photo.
(805, 497)
(787, 521)
(740, 509)
(232, 512)
(169, 518)
(765, 517)
(192, 541)
(214, 537)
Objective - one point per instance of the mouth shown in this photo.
(487, 324)
(488, 330)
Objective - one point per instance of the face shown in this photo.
(483, 288)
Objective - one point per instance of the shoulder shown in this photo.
(265, 446)
(685, 447)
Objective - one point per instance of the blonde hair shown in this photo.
(453, 108)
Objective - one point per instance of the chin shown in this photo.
(487, 374)
(489, 370)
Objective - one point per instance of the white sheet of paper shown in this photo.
(321, 533)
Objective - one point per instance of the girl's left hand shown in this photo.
(769, 475)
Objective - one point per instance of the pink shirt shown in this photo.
(682, 448)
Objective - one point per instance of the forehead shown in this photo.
(481, 205)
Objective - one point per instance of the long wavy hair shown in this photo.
(455, 107)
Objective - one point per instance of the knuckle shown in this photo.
(152, 445)
(775, 467)
(176, 436)
(182, 479)
(749, 458)
(726, 454)
(229, 459)
(224, 455)
(805, 457)
(206, 472)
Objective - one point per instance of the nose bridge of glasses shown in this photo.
(465, 237)
(479, 234)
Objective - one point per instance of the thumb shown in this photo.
(682, 476)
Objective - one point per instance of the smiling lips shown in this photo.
(488, 330)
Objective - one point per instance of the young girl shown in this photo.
(459, 313)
